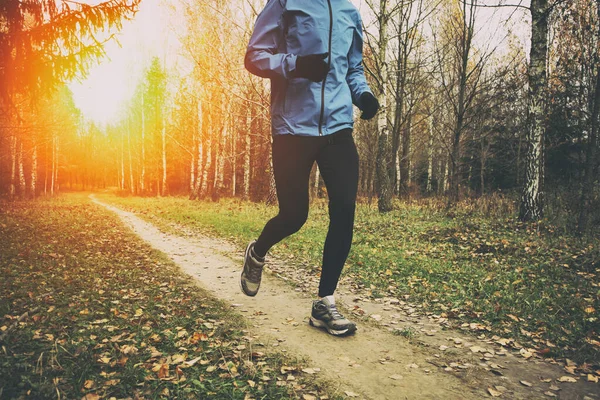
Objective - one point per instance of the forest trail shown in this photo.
(373, 363)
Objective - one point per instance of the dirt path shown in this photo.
(374, 364)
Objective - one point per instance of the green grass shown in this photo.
(86, 308)
(529, 283)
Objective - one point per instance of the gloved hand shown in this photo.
(368, 104)
(312, 66)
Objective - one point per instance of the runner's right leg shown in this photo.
(293, 158)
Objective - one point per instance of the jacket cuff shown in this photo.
(290, 70)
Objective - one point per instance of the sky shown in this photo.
(110, 85)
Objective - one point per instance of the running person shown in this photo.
(312, 53)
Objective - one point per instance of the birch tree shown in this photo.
(531, 208)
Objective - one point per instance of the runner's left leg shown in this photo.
(338, 164)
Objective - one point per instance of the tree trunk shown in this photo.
(430, 157)
(466, 40)
(164, 186)
(383, 146)
(193, 155)
(315, 186)
(233, 161)
(34, 169)
(143, 173)
(587, 187)
(532, 201)
(405, 159)
(54, 173)
(246, 161)
(122, 169)
(131, 180)
(21, 171)
(13, 166)
(199, 150)
(482, 168)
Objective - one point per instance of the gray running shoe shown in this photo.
(325, 315)
(252, 272)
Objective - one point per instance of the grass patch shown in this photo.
(87, 308)
(529, 283)
(407, 332)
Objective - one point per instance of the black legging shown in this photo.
(293, 158)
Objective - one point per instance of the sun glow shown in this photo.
(104, 94)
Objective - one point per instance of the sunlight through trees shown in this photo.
(460, 117)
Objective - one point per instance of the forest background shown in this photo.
(484, 102)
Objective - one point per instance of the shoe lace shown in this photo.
(254, 273)
(335, 313)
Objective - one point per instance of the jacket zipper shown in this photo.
(328, 68)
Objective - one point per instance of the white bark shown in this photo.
(531, 203)
(164, 188)
(247, 158)
(122, 180)
(34, 167)
(430, 157)
(383, 148)
(143, 173)
(21, 170)
(13, 165)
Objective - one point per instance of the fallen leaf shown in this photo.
(396, 377)
(567, 379)
(310, 370)
(526, 354)
(592, 378)
(350, 394)
(191, 363)
(88, 384)
(571, 369)
(513, 317)
(478, 349)
(494, 392)
(163, 371)
(308, 397)
(179, 358)
(376, 317)
(128, 349)
(525, 383)
(550, 394)
(198, 337)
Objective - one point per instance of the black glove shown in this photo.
(312, 67)
(368, 105)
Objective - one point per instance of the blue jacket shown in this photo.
(286, 29)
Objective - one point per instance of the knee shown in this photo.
(294, 220)
(342, 208)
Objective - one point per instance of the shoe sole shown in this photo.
(342, 332)
(242, 286)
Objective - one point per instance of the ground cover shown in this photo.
(527, 284)
(87, 310)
